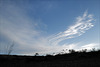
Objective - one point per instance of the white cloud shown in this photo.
(90, 46)
(82, 24)
(17, 26)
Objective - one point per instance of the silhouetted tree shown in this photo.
(10, 48)
(36, 54)
(7, 49)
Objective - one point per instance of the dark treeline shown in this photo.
(71, 59)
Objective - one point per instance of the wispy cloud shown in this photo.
(90, 46)
(81, 25)
(16, 25)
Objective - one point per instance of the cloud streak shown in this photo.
(90, 46)
(82, 24)
(16, 25)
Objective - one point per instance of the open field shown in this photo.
(88, 59)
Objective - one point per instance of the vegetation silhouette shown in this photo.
(74, 58)
(7, 49)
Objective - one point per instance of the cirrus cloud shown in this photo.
(81, 25)
(16, 25)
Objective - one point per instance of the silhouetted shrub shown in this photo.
(48, 55)
(71, 51)
(84, 50)
(93, 50)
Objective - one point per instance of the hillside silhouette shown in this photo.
(72, 59)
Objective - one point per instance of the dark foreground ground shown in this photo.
(84, 59)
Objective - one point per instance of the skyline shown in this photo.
(49, 26)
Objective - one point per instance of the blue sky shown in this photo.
(47, 26)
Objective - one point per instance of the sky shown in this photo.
(49, 26)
